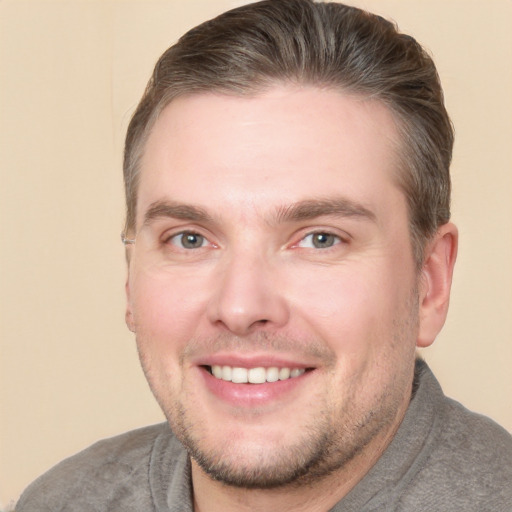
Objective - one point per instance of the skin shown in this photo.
(255, 178)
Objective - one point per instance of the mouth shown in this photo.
(258, 385)
(257, 375)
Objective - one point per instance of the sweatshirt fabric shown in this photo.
(442, 458)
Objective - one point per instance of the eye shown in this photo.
(319, 240)
(188, 240)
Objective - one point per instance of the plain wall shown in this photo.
(71, 73)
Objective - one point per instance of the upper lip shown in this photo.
(252, 361)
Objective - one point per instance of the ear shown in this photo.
(435, 283)
(130, 322)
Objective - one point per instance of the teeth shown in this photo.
(284, 373)
(227, 373)
(217, 372)
(272, 374)
(257, 375)
(239, 375)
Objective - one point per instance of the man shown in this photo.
(289, 247)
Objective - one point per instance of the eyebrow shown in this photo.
(303, 210)
(313, 208)
(165, 208)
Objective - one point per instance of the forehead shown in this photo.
(285, 145)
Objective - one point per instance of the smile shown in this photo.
(258, 375)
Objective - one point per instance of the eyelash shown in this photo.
(336, 239)
(182, 234)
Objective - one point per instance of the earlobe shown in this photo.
(435, 283)
(130, 322)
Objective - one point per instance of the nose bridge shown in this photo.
(247, 295)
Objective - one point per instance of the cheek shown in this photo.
(354, 308)
(165, 310)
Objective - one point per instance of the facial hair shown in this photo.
(328, 440)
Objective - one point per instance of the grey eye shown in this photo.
(319, 240)
(188, 240)
(323, 240)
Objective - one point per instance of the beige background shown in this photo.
(71, 73)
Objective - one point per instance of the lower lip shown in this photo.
(252, 395)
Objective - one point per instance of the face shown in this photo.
(272, 286)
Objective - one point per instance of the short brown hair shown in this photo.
(247, 50)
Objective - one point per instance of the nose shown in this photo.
(248, 296)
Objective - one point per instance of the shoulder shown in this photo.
(475, 438)
(109, 473)
(476, 449)
(473, 445)
(468, 464)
